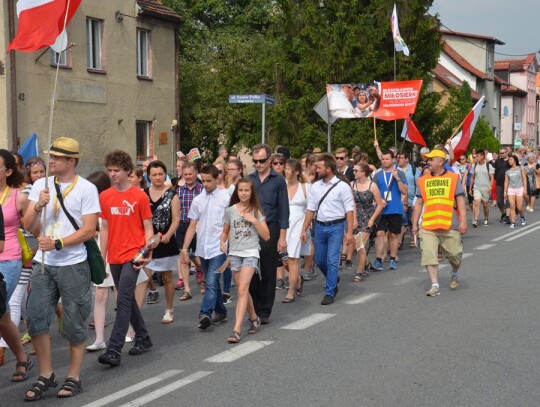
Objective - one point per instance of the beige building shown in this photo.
(519, 116)
(117, 84)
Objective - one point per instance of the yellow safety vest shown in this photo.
(438, 193)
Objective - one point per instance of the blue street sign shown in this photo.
(256, 98)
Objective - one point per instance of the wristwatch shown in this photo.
(58, 245)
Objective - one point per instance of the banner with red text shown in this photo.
(382, 100)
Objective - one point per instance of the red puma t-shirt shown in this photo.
(124, 212)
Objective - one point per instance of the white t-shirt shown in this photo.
(82, 200)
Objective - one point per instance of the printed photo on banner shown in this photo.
(382, 100)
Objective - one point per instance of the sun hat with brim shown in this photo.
(65, 147)
(436, 153)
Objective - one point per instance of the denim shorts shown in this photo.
(238, 262)
(72, 284)
(11, 270)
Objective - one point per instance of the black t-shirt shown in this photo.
(500, 170)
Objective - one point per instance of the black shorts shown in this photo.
(391, 223)
(181, 234)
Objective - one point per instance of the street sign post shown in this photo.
(258, 98)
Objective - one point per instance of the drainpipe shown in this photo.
(13, 78)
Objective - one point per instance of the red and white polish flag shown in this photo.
(411, 133)
(40, 22)
(460, 143)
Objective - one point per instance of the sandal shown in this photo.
(235, 337)
(342, 259)
(412, 245)
(254, 327)
(287, 300)
(25, 339)
(72, 386)
(358, 277)
(39, 387)
(186, 296)
(299, 290)
(22, 376)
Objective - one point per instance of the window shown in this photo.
(143, 53)
(94, 33)
(143, 140)
(59, 59)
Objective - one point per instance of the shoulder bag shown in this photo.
(324, 196)
(94, 258)
(3, 295)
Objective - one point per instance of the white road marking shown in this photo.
(484, 246)
(363, 298)
(131, 389)
(522, 233)
(308, 321)
(238, 351)
(405, 280)
(166, 389)
(467, 255)
(516, 232)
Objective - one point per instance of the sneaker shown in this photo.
(227, 299)
(204, 322)
(168, 317)
(96, 346)
(327, 300)
(485, 222)
(152, 297)
(305, 276)
(192, 270)
(512, 225)
(530, 210)
(503, 218)
(527, 208)
(219, 319)
(129, 339)
(141, 345)
(286, 280)
(522, 221)
(393, 265)
(454, 283)
(280, 285)
(377, 266)
(433, 292)
(507, 220)
(348, 265)
(475, 223)
(312, 271)
(179, 284)
(110, 357)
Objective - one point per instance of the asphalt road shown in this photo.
(383, 343)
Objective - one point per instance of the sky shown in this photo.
(512, 22)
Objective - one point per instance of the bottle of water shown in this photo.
(137, 261)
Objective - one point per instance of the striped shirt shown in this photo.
(186, 196)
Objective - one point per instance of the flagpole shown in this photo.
(375, 127)
(395, 122)
(49, 135)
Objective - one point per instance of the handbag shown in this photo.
(94, 258)
(27, 253)
(3, 295)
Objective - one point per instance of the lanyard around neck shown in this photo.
(2, 199)
(64, 194)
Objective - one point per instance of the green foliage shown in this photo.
(453, 112)
(290, 49)
(483, 137)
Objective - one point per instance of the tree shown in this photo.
(483, 137)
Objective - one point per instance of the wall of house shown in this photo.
(457, 70)
(526, 80)
(100, 109)
(471, 49)
(507, 120)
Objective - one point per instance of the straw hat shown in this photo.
(65, 147)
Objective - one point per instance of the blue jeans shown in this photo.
(327, 242)
(213, 297)
(11, 270)
(227, 278)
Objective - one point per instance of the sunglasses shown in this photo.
(341, 158)
(261, 161)
(278, 163)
